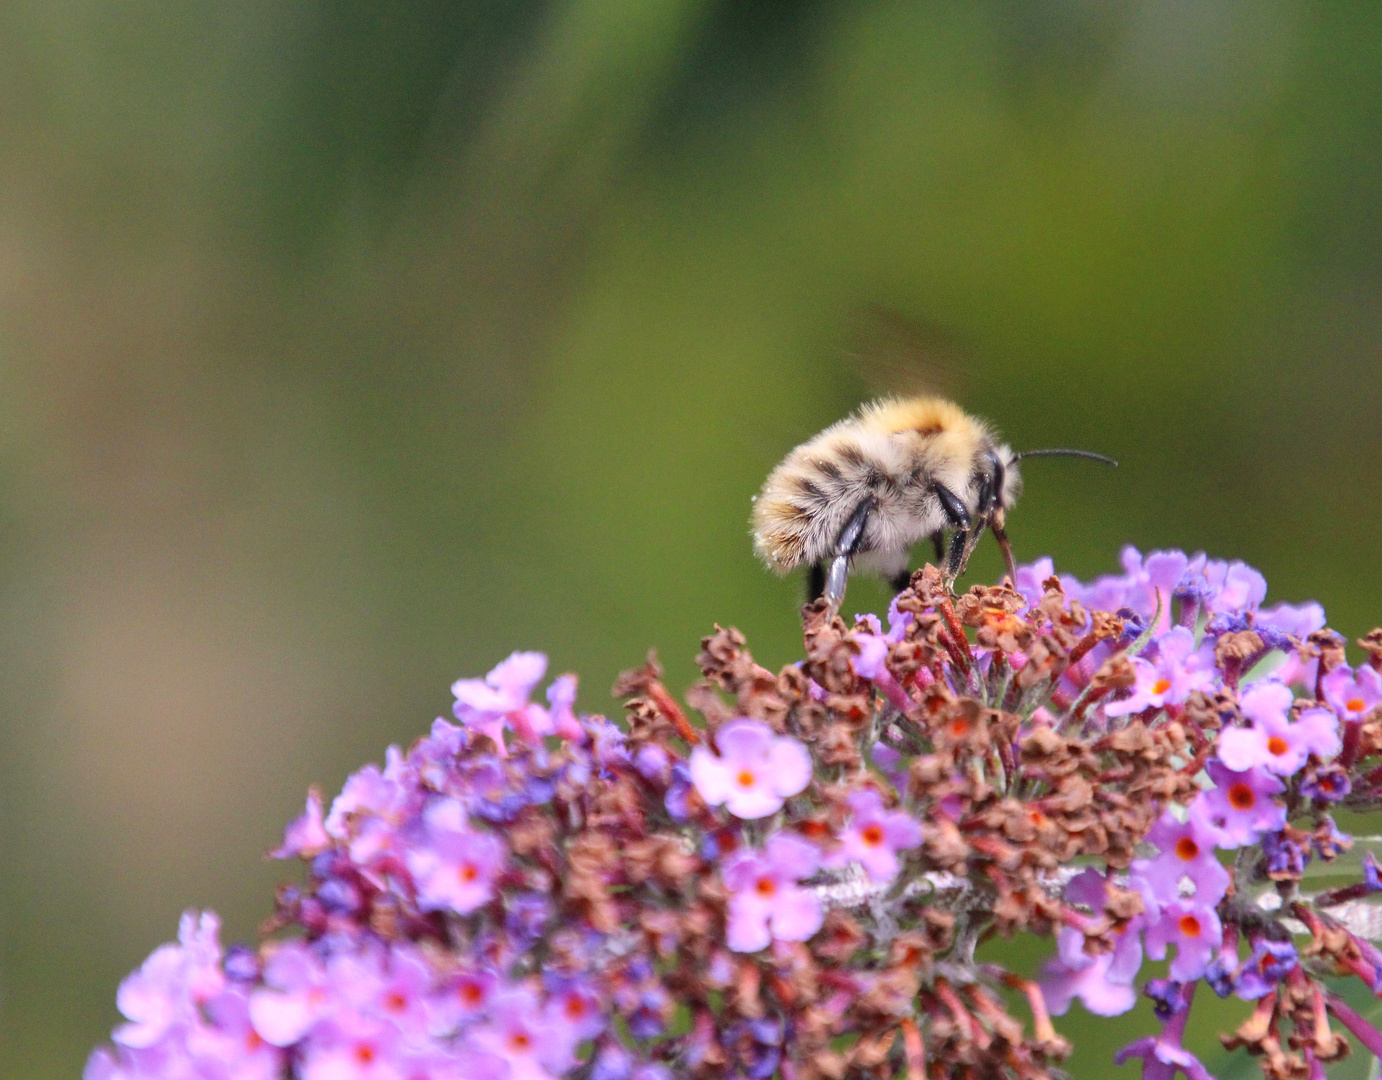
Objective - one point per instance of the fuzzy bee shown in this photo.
(866, 489)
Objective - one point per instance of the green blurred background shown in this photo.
(346, 347)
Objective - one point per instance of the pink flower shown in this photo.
(1352, 694)
(297, 993)
(755, 772)
(874, 836)
(170, 987)
(1186, 852)
(1194, 929)
(1104, 982)
(500, 700)
(307, 836)
(1177, 670)
(1240, 807)
(765, 901)
(456, 868)
(1273, 742)
(518, 1033)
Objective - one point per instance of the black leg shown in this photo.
(938, 542)
(955, 561)
(815, 582)
(900, 581)
(954, 509)
(851, 537)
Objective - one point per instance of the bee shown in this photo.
(867, 488)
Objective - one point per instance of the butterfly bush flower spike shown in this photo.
(785, 875)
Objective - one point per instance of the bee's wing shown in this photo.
(901, 355)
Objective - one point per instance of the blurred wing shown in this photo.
(898, 355)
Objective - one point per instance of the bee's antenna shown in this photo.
(1062, 452)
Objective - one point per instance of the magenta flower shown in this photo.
(1194, 929)
(756, 770)
(1186, 852)
(1228, 588)
(1178, 669)
(765, 901)
(500, 700)
(1274, 742)
(874, 836)
(456, 868)
(1352, 694)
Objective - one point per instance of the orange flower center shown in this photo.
(469, 994)
(364, 1054)
(395, 1002)
(1355, 704)
(1161, 686)
(745, 778)
(467, 873)
(1187, 849)
(872, 835)
(765, 887)
(1189, 926)
(1241, 796)
(1277, 745)
(520, 1042)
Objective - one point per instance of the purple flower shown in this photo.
(1227, 588)
(1329, 783)
(561, 696)
(1186, 851)
(307, 835)
(1194, 929)
(1164, 1055)
(170, 987)
(352, 1046)
(1104, 982)
(455, 869)
(517, 1033)
(296, 994)
(874, 836)
(1177, 670)
(500, 700)
(755, 772)
(1273, 742)
(1240, 806)
(765, 901)
(1268, 964)
(1352, 694)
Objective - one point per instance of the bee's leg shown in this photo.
(815, 582)
(938, 542)
(958, 555)
(900, 580)
(1001, 535)
(851, 536)
(955, 510)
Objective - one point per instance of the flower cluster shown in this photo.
(800, 884)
